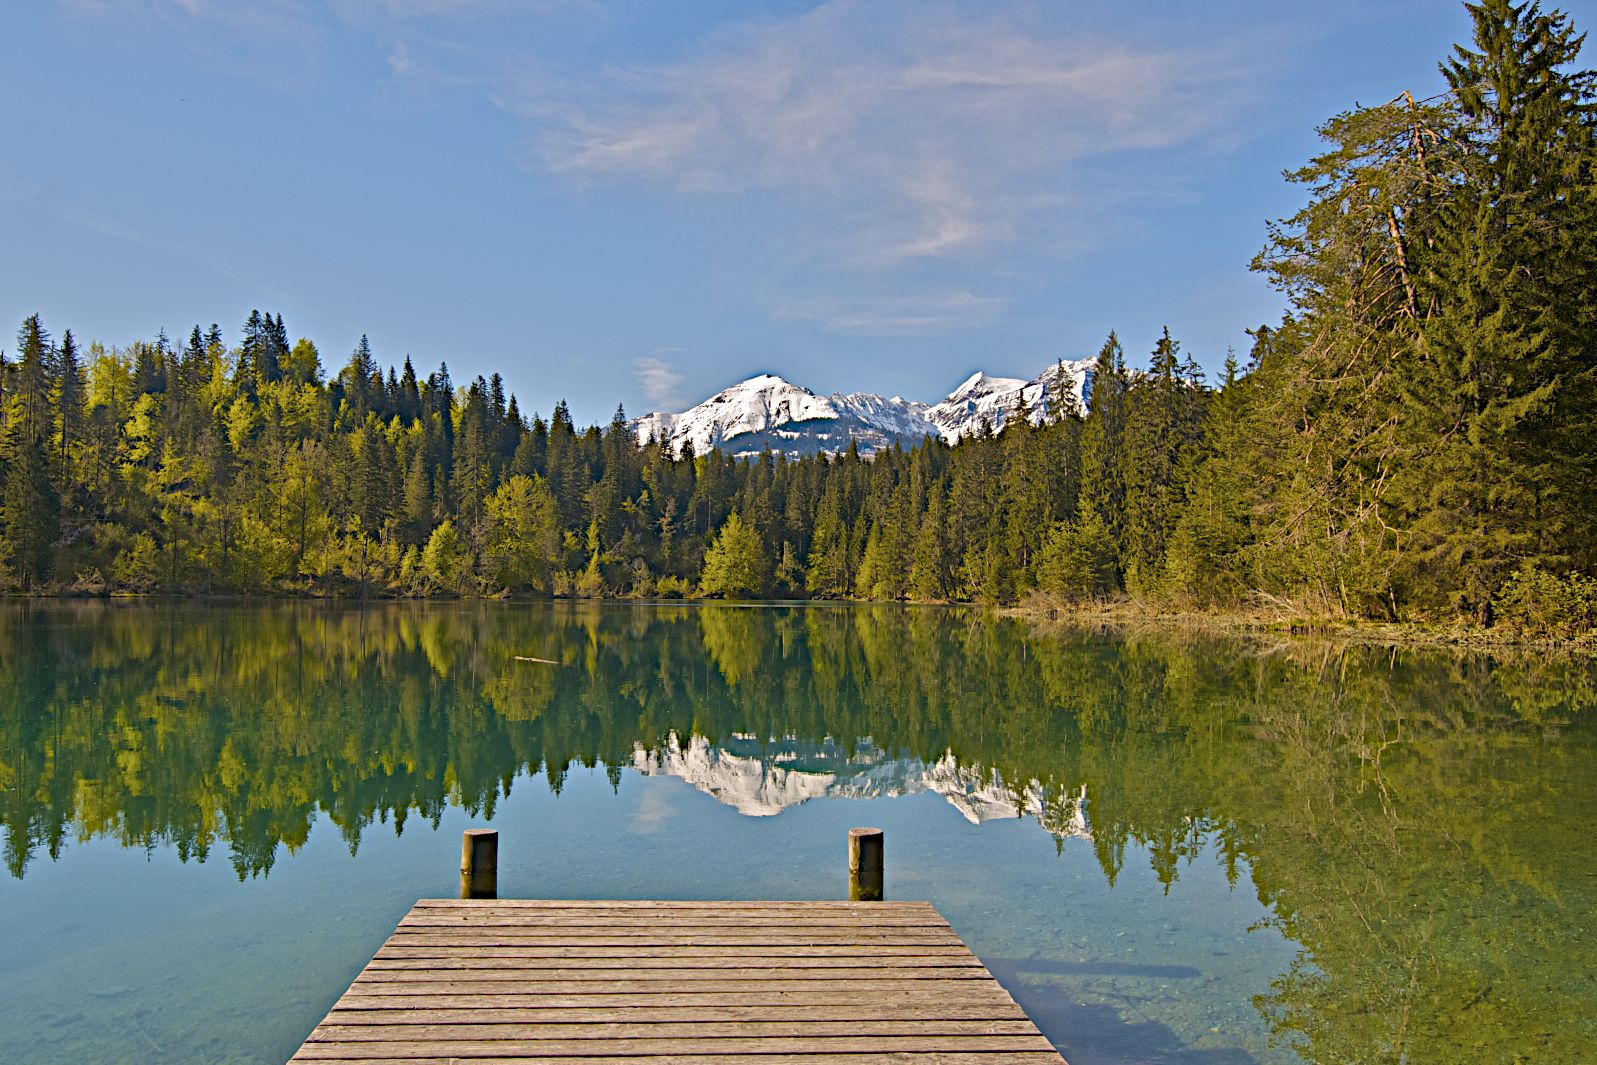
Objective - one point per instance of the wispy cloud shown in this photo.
(400, 64)
(655, 809)
(924, 133)
(276, 17)
(660, 381)
(897, 315)
(299, 10)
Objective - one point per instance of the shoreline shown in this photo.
(1039, 611)
(1126, 614)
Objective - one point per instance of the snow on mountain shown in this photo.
(896, 416)
(767, 411)
(981, 396)
(763, 779)
(994, 398)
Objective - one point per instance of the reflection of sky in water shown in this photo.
(125, 956)
(1133, 832)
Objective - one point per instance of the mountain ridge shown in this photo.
(768, 411)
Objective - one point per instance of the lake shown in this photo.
(1168, 847)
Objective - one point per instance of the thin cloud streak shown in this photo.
(898, 315)
(944, 132)
(661, 383)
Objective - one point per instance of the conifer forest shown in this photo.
(1413, 441)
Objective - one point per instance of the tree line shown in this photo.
(1412, 441)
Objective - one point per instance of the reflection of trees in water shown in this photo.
(1409, 817)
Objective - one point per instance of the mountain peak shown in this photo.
(981, 384)
(767, 410)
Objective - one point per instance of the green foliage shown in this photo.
(441, 559)
(1536, 602)
(523, 538)
(29, 511)
(1077, 561)
(138, 566)
(735, 566)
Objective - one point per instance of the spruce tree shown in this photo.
(29, 413)
(69, 411)
(1163, 421)
(1497, 405)
(29, 509)
(1102, 500)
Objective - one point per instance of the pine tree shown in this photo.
(29, 411)
(69, 411)
(29, 510)
(1204, 562)
(355, 382)
(1102, 499)
(1027, 498)
(1497, 405)
(931, 565)
(1077, 560)
(375, 484)
(1352, 262)
(831, 565)
(1163, 421)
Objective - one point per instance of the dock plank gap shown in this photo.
(523, 981)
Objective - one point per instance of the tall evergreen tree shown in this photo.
(29, 412)
(1497, 406)
(1103, 485)
(69, 397)
(29, 508)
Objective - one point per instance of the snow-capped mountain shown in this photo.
(994, 398)
(763, 779)
(767, 411)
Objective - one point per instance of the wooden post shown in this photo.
(479, 864)
(865, 864)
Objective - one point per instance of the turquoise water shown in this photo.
(1169, 849)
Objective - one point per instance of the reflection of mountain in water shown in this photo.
(763, 779)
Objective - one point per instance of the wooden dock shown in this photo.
(676, 983)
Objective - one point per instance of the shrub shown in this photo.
(1539, 603)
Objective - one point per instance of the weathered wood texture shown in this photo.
(676, 983)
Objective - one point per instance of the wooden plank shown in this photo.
(974, 994)
(665, 906)
(533, 980)
(844, 1044)
(384, 963)
(472, 1013)
(668, 951)
(901, 1058)
(858, 985)
(639, 936)
(674, 931)
(386, 1025)
(666, 922)
(675, 983)
(820, 906)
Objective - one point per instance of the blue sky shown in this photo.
(643, 202)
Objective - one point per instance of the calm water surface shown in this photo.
(1169, 849)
